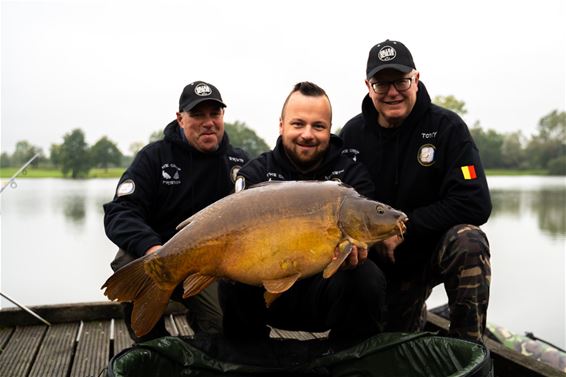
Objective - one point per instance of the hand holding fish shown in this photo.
(153, 249)
(357, 256)
(386, 248)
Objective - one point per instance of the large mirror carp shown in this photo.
(269, 235)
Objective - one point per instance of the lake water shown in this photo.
(54, 250)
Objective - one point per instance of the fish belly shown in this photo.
(274, 251)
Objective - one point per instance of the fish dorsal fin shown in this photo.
(266, 183)
(345, 248)
(195, 283)
(280, 285)
(184, 223)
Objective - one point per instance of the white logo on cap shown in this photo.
(386, 53)
(203, 90)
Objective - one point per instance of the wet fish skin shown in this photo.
(271, 234)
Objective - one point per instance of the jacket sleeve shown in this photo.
(464, 194)
(126, 217)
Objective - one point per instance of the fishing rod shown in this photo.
(532, 336)
(25, 308)
(12, 181)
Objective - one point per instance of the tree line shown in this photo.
(75, 158)
(546, 150)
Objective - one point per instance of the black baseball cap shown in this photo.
(389, 54)
(197, 92)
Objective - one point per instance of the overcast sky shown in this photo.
(117, 68)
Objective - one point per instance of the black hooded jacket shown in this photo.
(275, 165)
(167, 182)
(428, 167)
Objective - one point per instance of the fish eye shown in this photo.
(380, 210)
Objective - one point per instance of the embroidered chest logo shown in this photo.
(170, 174)
(425, 155)
(352, 153)
(274, 176)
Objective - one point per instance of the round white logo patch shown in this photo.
(240, 184)
(126, 188)
(203, 90)
(386, 53)
(425, 156)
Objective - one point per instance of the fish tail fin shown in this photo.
(149, 308)
(131, 283)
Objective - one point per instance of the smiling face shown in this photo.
(393, 106)
(203, 125)
(305, 129)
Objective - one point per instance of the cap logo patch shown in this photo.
(425, 156)
(386, 53)
(203, 90)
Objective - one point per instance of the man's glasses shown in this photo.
(401, 85)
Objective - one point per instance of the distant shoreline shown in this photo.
(6, 173)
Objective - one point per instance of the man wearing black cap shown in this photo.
(424, 162)
(168, 181)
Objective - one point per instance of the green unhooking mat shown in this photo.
(388, 354)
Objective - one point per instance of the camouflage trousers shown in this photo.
(461, 263)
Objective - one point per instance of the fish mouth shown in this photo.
(401, 225)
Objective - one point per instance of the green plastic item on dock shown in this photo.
(387, 354)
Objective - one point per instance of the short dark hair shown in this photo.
(307, 88)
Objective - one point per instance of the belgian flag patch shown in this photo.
(469, 172)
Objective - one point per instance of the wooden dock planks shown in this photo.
(122, 338)
(18, 356)
(5, 334)
(70, 349)
(93, 349)
(55, 354)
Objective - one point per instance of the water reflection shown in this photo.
(74, 208)
(547, 205)
(551, 211)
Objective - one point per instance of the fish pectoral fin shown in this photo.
(345, 248)
(280, 285)
(195, 283)
(269, 298)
